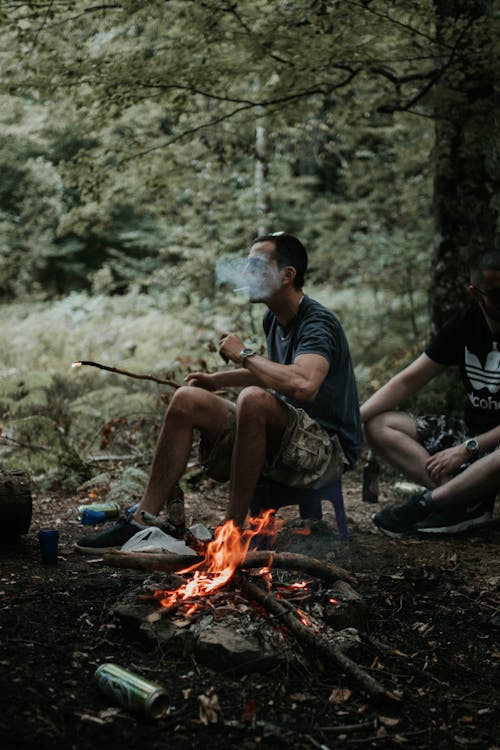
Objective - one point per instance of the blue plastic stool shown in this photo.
(269, 494)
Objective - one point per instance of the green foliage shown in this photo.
(156, 144)
(144, 142)
(36, 445)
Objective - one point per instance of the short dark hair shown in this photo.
(489, 261)
(289, 251)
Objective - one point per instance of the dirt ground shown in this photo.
(431, 636)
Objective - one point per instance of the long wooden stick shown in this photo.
(315, 641)
(287, 560)
(80, 363)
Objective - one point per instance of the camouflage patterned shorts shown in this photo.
(308, 457)
(438, 432)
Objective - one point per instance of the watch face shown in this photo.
(471, 444)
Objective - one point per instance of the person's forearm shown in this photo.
(387, 398)
(401, 387)
(488, 441)
(239, 378)
(289, 380)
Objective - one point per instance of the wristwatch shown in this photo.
(245, 353)
(472, 446)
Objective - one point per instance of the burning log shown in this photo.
(311, 639)
(151, 561)
(225, 558)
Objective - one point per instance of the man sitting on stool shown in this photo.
(296, 419)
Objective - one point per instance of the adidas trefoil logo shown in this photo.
(487, 377)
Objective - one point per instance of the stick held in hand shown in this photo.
(80, 363)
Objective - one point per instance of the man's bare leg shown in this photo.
(482, 478)
(190, 408)
(261, 420)
(393, 435)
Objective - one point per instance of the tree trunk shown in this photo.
(262, 199)
(467, 169)
(15, 504)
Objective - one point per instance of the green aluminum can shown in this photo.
(131, 691)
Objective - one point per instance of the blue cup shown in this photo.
(49, 542)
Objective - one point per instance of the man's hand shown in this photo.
(200, 380)
(442, 464)
(230, 346)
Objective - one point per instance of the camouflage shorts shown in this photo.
(308, 456)
(436, 433)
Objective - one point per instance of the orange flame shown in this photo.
(303, 617)
(223, 556)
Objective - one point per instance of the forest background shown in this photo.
(143, 145)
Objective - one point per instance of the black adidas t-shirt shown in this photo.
(467, 341)
(316, 330)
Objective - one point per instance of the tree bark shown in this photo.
(15, 503)
(467, 169)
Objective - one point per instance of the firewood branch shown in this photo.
(164, 561)
(315, 641)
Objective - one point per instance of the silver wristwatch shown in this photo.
(245, 353)
(472, 446)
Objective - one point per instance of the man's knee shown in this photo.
(188, 400)
(382, 427)
(253, 401)
(255, 404)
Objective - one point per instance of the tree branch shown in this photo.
(316, 641)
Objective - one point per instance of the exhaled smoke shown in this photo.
(229, 271)
(253, 278)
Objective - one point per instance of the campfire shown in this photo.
(226, 567)
(222, 557)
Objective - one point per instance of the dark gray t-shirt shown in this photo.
(316, 330)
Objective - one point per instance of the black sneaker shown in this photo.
(400, 520)
(114, 538)
(454, 520)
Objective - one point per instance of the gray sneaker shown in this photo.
(401, 520)
(455, 520)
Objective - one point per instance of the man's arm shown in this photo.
(442, 464)
(221, 379)
(300, 380)
(399, 388)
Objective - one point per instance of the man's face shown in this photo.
(486, 292)
(261, 274)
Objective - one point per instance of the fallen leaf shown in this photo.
(388, 721)
(301, 697)
(249, 710)
(339, 695)
(210, 711)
